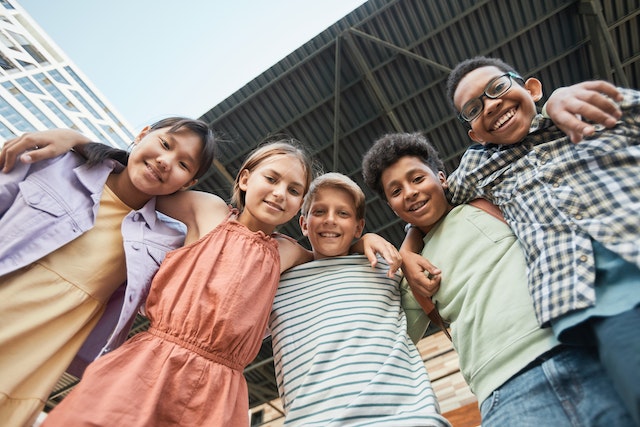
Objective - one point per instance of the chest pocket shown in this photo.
(41, 200)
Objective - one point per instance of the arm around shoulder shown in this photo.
(201, 212)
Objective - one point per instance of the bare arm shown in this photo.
(35, 146)
(594, 101)
(422, 276)
(292, 253)
(201, 212)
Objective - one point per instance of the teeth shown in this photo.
(329, 234)
(504, 118)
(416, 206)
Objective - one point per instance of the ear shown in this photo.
(534, 87)
(474, 137)
(359, 228)
(303, 226)
(189, 185)
(244, 178)
(443, 179)
(144, 132)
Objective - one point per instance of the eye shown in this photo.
(185, 166)
(473, 108)
(499, 87)
(418, 179)
(394, 192)
(294, 191)
(344, 214)
(164, 143)
(317, 212)
(270, 179)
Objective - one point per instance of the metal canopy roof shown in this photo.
(382, 68)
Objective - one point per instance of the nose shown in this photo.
(279, 190)
(330, 218)
(163, 162)
(491, 104)
(410, 192)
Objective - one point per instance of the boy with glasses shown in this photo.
(574, 208)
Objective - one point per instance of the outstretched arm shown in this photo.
(35, 146)
(593, 101)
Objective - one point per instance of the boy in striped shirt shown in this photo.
(341, 350)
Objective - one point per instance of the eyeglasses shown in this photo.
(494, 89)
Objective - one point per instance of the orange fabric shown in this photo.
(209, 305)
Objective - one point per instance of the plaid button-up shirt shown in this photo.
(557, 196)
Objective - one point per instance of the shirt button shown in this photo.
(583, 258)
(578, 217)
(136, 217)
(556, 185)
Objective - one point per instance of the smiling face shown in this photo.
(160, 163)
(504, 120)
(273, 192)
(415, 192)
(331, 223)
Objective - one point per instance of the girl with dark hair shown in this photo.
(74, 231)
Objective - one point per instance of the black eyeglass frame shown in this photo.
(512, 76)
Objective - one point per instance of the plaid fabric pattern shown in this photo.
(557, 196)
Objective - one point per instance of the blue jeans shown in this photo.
(568, 389)
(618, 340)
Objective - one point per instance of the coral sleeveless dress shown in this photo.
(208, 306)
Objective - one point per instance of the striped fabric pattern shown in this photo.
(342, 353)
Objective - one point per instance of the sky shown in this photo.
(157, 58)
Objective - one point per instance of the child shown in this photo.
(72, 232)
(574, 208)
(341, 351)
(516, 369)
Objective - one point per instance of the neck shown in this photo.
(245, 218)
(126, 192)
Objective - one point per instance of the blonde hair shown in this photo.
(286, 147)
(339, 181)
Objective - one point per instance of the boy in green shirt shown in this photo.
(504, 354)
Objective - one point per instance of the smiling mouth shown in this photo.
(416, 206)
(329, 234)
(154, 172)
(274, 205)
(504, 119)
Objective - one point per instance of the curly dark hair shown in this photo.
(465, 67)
(388, 149)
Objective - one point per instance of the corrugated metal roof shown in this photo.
(382, 68)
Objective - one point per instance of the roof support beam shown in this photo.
(604, 50)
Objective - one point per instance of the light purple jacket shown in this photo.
(45, 205)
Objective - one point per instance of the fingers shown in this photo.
(572, 108)
(13, 148)
(423, 277)
(390, 255)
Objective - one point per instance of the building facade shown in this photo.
(40, 88)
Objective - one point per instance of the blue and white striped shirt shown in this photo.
(341, 351)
